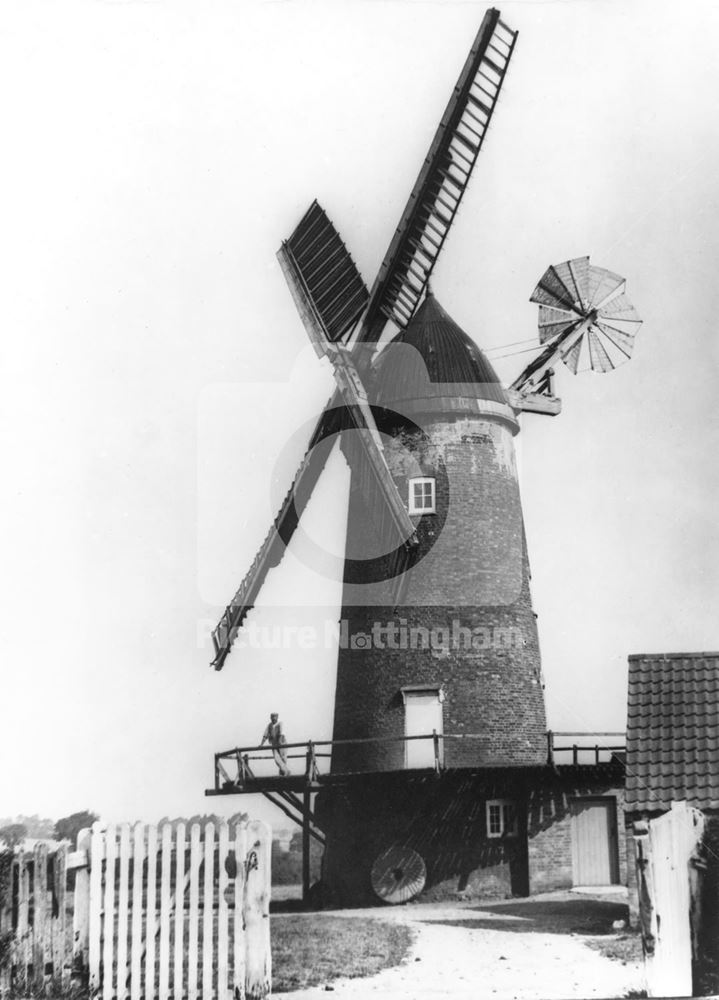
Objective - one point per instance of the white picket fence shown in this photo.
(668, 884)
(156, 914)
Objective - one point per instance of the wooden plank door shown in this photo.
(594, 841)
(423, 716)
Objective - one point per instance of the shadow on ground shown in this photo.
(571, 916)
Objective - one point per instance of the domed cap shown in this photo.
(434, 366)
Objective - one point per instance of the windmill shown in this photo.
(427, 430)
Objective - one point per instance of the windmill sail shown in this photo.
(394, 525)
(442, 181)
(378, 486)
(279, 536)
(322, 275)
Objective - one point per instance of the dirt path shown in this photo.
(453, 957)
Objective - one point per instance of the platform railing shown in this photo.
(585, 748)
(241, 760)
(241, 757)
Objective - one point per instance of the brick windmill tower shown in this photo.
(439, 721)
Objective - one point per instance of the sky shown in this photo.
(158, 387)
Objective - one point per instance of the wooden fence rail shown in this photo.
(154, 914)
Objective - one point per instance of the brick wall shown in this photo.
(550, 833)
(466, 623)
(444, 820)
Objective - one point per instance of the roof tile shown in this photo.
(673, 730)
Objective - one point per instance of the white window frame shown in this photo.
(422, 481)
(505, 829)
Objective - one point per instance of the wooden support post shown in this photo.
(550, 747)
(575, 754)
(311, 772)
(306, 846)
(435, 740)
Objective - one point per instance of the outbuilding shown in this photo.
(673, 765)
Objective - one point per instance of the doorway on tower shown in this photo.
(423, 724)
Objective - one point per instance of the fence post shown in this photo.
(178, 943)
(257, 911)
(194, 915)
(60, 958)
(165, 910)
(95, 936)
(239, 964)
(7, 876)
(151, 913)
(223, 912)
(40, 922)
(665, 847)
(138, 878)
(81, 912)
(123, 912)
(208, 897)
(22, 956)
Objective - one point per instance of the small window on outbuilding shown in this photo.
(501, 818)
(422, 498)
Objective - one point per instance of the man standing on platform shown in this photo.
(274, 736)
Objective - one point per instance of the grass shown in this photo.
(623, 948)
(312, 950)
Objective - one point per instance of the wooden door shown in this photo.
(595, 859)
(423, 716)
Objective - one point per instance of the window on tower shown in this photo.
(422, 496)
(501, 818)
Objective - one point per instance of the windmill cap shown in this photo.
(433, 366)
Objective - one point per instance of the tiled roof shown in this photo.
(673, 731)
